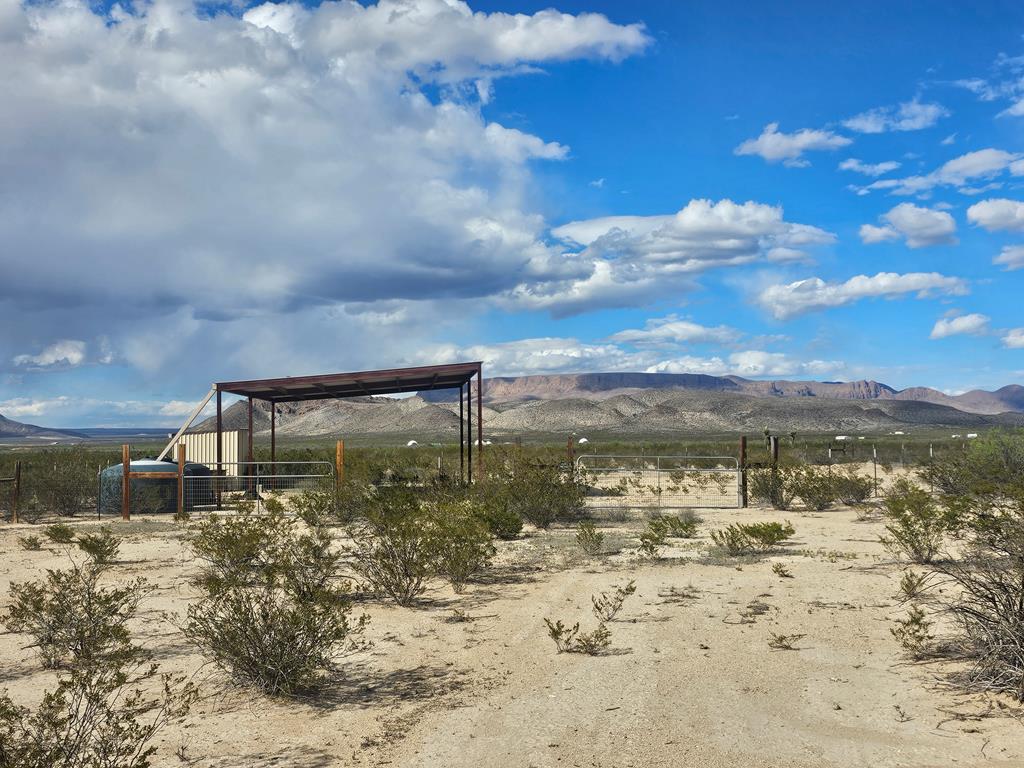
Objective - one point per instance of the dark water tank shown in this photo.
(151, 494)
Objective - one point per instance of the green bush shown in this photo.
(393, 548)
(59, 533)
(773, 485)
(588, 538)
(102, 547)
(852, 487)
(542, 494)
(492, 499)
(653, 537)
(71, 618)
(462, 544)
(31, 542)
(71, 481)
(608, 604)
(814, 486)
(681, 526)
(748, 538)
(571, 640)
(915, 524)
(276, 613)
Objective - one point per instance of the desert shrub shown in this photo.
(71, 618)
(239, 550)
(393, 547)
(747, 538)
(780, 570)
(912, 585)
(683, 525)
(59, 533)
(608, 604)
(773, 485)
(653, 537)
(588, 538)
(462, 544)
(814, 486)
(992, 465)
(30, 542)
(912, 633)
(96, 717)
(493, 503)
(851, 487)
(915, 524)
(542, 494)
(571, 640)
(102, 547)
(779, 642)
(70, 485)
(276, 614)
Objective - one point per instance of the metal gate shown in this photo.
(660, 482)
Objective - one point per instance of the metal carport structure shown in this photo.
(390, 381)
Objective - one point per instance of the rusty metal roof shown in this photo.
(390, 381)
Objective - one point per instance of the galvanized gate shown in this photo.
(660, 482)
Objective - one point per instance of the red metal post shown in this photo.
(462, 436)
(469, 430)
(273, 432)
(480, 420)
(220, 445)
(181, 480)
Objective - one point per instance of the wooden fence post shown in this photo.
(743, 471)
(16, 492)
(181, 481)
(126, 482)
(339, 463)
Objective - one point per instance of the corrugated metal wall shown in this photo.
(201, 447)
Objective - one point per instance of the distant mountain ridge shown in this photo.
(10, 428)
(554, 386)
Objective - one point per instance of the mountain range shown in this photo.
(643, 403)
(10, 428)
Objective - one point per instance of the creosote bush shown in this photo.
(912, 633)
(915, 524)
(571, 640)
(773, 485)
(748, 538)
(540, 494)
(98, 715)
(276, 613)
(814, 486)
(59, 533)
(588, 538)
(851, 487)
(681, 526)
(461, 543)
(72, 619)
(102, 547)
(31, 542)
(653, 537)
(608, 604)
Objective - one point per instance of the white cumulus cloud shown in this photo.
(675, 330)
(868, 169)
(1014, 338)
(919, 226)
(774, 145)
(963, 173)
(1011, 257)
(997, 213)
(789, 300)
(971, 325)
(65, 353)
(908, 116)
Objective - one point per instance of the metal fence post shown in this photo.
(181, 480)
(16, 492)
(126, 482)
(743, 471)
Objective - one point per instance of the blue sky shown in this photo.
(801, 191)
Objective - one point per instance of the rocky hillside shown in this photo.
(10, 428)
(602, 385)
(639, 411)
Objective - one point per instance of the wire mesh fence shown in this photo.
(253, 482)
(660, 482)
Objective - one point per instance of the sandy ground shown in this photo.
(689, 680)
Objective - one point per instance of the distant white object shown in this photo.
(897, 432)
(411, 444)
(860, 437)
(954, 436)
(971, 435)
(582, 441)
(842, 437)
(485, 442)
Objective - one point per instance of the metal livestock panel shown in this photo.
(661, 482)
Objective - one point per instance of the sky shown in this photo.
(193, 193)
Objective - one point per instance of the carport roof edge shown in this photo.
(389, 381)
